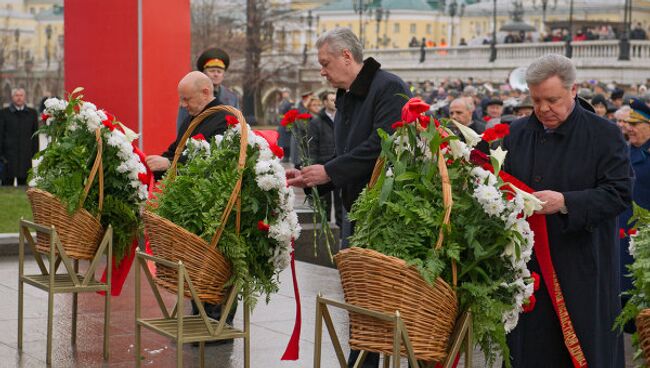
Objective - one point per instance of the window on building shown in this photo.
(414, 28)
(396, 28)
(429, 29)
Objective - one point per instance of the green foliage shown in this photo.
(640, 272)
(64, 170)
(15, 206)
(196, 198)
(402, 215)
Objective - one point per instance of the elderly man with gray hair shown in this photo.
(368, 98)
(18, 123)
(577, 164)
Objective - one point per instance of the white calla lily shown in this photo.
(499, 155)
(531, 203)
(471, 137)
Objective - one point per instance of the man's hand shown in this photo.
(314, 175)
(294, 178)
(157, 163)
(554, 201)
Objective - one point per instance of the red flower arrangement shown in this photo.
(199, 137)
(231, 120)
(291, 116)
(498, 131)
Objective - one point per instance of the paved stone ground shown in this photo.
(271, 326)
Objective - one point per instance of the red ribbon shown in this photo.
(293, 347)
(120, 270)
(542, 251)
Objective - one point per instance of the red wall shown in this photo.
(101, 55)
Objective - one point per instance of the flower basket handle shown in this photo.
(98, 168)
(446, 199)
(235, 197)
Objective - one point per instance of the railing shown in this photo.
(586, 50)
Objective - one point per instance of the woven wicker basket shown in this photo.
(643, 327)
(386, 284)
(80, 233)
(207, 267)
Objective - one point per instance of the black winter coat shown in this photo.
(374, 101)
(586, 160)
(17, 141)
(211, 126)
(321, 138)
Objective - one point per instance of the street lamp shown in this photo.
(544, 8)
(17, 38)
(569, 46)
(493, 42)
(360, 7)
(624, 45)
(380, 14)
(453, 11)
(48, 35)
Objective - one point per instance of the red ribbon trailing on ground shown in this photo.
(293, 347)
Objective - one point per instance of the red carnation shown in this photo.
(231, 120)
(412, 110)
(199, 137)
(144, 178)
(262, 226)
(277, 150)
(424, 121)
(487, 118)
(536, 280)
(289, 117)
(621, 233)
(502, 130)
(490, 135)
(109, 125)
(631, 232)
(528, 307)
(435, 121)
(304, 116)
(397, 124)
(44, 116)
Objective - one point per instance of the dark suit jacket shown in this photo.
(18, 144)
(373, 102)
(321, 138)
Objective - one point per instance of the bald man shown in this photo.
(196, 94)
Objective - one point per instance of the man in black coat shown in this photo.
(321, 146)
(196, 95)
(195, 91)
(18, 123)
(577, 164)
(367, 99)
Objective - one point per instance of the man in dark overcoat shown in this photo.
(18, 145)
(577, 163)
(368, 98)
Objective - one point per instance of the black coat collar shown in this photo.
(361, 84)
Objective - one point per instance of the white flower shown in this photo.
(510, 319)
(267, 182)
(499, 155)
(114, 140)
(102, 115)
(53, 105)
(490, 199)
(459, 149)
(531, 203)
(389, 172)
(88, 106)
(471, 137)
(262, 167)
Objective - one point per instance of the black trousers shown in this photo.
(9, 182)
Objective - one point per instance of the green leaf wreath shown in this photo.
(64, 166)
(488, 237)
(197, 196)
(640, 271)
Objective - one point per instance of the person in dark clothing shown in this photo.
(321, 147)
(214, 63)
(461, 110)
(368, 98)
(18, 145)
(638, 33)
(196, 95)
(577, 163)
